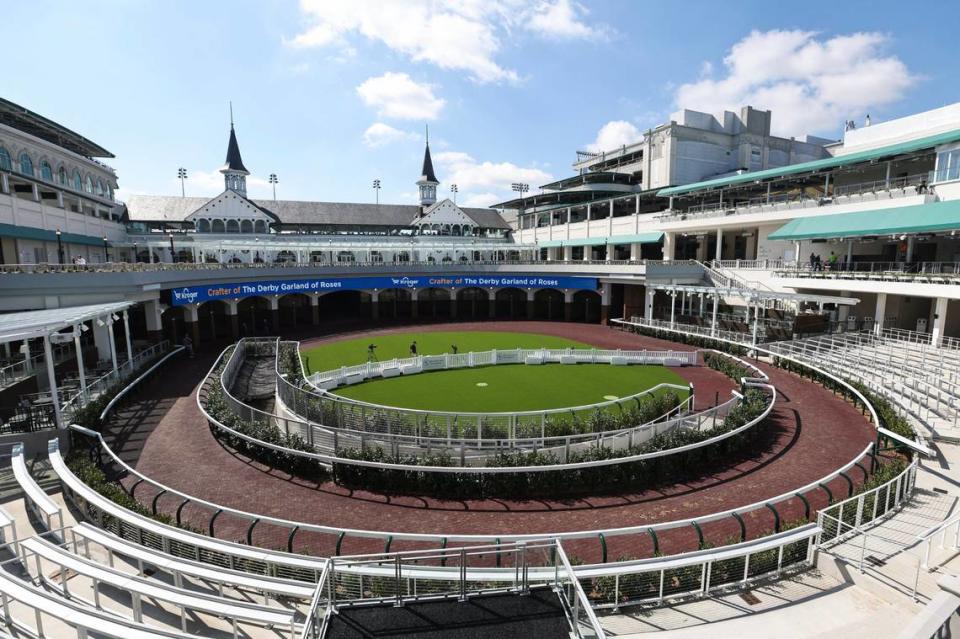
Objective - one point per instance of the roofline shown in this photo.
(93, 149)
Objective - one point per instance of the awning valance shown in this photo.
(921, 218)
(639, 238)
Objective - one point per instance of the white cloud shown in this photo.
(811, 84)
(380, 134)
(484, 183)
(464, 35)
(397, 95)
(613, 135)
(562, 19)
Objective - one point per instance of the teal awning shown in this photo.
(43, 235)
(928, 142)
(640, 238)
(920, 218)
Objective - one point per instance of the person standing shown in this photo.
(413, 349)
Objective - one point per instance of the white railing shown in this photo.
(24, 368)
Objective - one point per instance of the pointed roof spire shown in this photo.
(426, 173)
(234, 161)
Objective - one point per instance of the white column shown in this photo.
(879, 313)
(567, 253)
(719, 251)
(635, 251)
(702, 297)
(80, 371)
(648, 308)
(668, 238)
(796, 252)
(713, 322)
(909, 248)
(126, 335)
(52, 380)
(756, 321)
(939, 320)
(113, 344)
(673, 308)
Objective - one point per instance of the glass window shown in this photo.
(948, 165)
(260, 226)
(5, 160)
(26, 164)
(46, 171)
(77, 181)
(203, 226)
(233, 226)
(88, 185)
(100, 187)
(246, 226)
(218, 226)
(62, 176)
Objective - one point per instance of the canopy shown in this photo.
(640, 238)
(28, 324)
(928, 142)
(919, 218)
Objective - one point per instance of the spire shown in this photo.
(426, 172)
(234, 172)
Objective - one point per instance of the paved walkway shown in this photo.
(811, 433)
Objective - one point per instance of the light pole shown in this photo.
(454, 190)
(182, 174)
(173, 255)
(106, 253)
(59, 246)
(376, 189)
(521, 188)
(273, 181)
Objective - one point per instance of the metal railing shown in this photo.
(930, 272)
(24, 368)
(472, 438)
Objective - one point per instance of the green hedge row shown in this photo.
(636, 475)
(729, 367)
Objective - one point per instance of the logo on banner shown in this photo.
(404, 282)
(186, 295)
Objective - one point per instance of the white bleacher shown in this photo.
(71, 567)
(39, 502)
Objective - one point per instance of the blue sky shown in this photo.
(330, 95)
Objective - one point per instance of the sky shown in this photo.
(330, 95)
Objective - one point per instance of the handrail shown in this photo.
(915, 445)
(439, 537)
(144, 375)
(581, 602)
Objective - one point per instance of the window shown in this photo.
(233, 226)
(246, 226)
(948, 165)
(203, 226)
(77, 181)
(88, 185)
(26, 164)
(62, 176)
(5, 160)
(756, 157)
(100, 187)
(260, 226)
(46, 171)
(217, 226)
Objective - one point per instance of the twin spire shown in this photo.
(235, 173)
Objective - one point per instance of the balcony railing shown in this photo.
(928, 272)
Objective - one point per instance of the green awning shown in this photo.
(920, 218)
(31, 233)
(928, 142)
(640, 238)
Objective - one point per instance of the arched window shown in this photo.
(77, 181)
(62, 176)
(5, 160)
(203, 226)
(246, 226)
(46, 171)
(88, 185)
(99, 187)
(233, 226)
(217, 226)
(26, 164)
(260, 226)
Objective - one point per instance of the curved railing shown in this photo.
(317, 405)
(599, 440)
(476, 448)
(140, 378)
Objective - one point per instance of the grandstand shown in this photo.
(186, 457)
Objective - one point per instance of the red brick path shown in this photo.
(811, 433)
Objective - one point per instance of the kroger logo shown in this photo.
(186, 295)
(404, 281)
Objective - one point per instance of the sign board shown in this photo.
(198, 294)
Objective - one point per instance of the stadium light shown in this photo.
(273, 181)
(454, 190)
(376, 189)
(182, 174)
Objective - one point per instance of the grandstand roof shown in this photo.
(816, 165)
(25, 120)
(165, 208)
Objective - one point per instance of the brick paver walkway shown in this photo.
(811, 433)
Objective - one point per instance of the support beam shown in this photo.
(939, 321)
(52, 381)
(80, 371)
(126, 335)
(879, 313)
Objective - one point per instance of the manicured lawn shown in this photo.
(508, 387)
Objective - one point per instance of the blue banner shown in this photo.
(198, 294)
